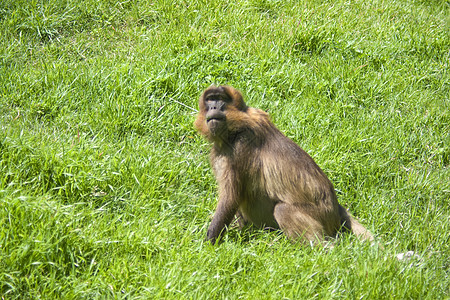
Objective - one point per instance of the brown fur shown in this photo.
(264, 178)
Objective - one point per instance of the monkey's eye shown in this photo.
(218, 97)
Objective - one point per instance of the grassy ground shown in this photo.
(105, 187)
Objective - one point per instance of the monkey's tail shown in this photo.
(351, 224)
(359, 230)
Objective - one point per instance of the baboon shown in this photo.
(263, 177)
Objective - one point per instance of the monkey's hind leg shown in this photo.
(298, 225)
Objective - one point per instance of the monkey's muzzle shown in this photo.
(216, 124)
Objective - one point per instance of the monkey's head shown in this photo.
(220, 109)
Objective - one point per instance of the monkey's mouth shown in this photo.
(215, 119)
(215, 124)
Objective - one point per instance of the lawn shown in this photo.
(106, 191)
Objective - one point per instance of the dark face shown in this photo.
(215, 104)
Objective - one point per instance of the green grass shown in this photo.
(105, 187)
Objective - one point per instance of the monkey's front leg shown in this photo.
(226, 209)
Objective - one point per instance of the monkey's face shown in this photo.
(220, 110)
(215, 105)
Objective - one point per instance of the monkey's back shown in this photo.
(279, 171)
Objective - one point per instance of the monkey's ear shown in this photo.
(236, 96)
(200, 124)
